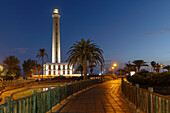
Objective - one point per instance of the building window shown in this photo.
(58, 67)
(49, 67)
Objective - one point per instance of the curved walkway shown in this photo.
(103, 98)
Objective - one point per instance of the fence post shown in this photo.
(8, 101)
(66, 90)
(137, 96)
(34, 102)
(149, 108)
(59, 92)
(49, 99)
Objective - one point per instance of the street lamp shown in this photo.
(115, 64)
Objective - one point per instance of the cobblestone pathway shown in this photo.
(103, 98)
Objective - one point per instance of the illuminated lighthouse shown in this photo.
(56, 67)
(56, 58)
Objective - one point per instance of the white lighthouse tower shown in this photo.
(56, 58)
(56, 67)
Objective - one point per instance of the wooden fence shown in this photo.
(44, 101)
(146, 100)
(14, 82)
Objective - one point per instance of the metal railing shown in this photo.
(44, 101)
(14, 82)
(146, 101)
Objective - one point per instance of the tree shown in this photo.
(29, 67)
(83, 52)
(139, 64)
(155, 66)
(12, 64)
(41, 56)
(167, 67)
(80, 69)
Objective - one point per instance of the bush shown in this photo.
(8, 77)
(150, 79)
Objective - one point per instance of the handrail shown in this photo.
(44, 101)
(13, 82)
(144, 100)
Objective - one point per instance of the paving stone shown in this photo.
(103, 98)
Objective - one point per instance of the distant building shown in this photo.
(3, 71)
(56, 67)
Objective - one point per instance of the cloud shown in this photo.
(158, 32)
(21, 50)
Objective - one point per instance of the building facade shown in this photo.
(58, 69)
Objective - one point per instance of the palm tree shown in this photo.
(83, 52)
(167, 67)
(139, 64)
(29, 67)
(11, 63)
(155, 66)
(41, 55)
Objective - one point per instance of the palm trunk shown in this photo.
(42, 67)
(138, 69)
(85, 68)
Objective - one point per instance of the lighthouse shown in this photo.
(56, 58)
(56, 67)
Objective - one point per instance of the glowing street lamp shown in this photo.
(113, 67)
(115, 64)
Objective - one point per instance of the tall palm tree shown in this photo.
(139, 64)
(41, 55)
(12, 64)
(83, 52)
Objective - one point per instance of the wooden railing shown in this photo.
(146, 100)
(14, 82)
(43, 102)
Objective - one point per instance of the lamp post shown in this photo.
(114, 65)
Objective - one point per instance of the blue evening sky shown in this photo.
(126, 30)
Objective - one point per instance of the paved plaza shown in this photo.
(103, 98)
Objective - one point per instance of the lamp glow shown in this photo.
(114, 64)
(56, 11)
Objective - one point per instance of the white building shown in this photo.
(56, 67)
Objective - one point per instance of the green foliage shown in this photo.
(151, 79)
(85, 52)
(12, 65)
(29, 67)
(40, 55)
(139, 64)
